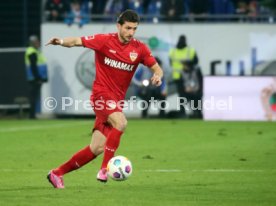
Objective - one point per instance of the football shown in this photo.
(119, 168)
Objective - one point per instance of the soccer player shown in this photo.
(117, 56)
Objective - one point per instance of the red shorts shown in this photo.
(103, 127)
(103, 105)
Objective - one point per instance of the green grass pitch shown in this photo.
(187, 163)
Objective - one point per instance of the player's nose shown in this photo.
(131, 32)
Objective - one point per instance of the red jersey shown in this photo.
(116, 62)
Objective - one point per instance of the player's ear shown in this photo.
(119, 26)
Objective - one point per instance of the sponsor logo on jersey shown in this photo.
(89, 37)
(118, 65)
(133, 56)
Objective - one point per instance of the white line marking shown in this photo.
(152, 171)
(23, 170)
(205, 170)
(164, 170)
(38, 127)
(227, 170)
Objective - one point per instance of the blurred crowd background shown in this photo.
(19, 19)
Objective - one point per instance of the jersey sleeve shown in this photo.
(94, 42)
(147, 58)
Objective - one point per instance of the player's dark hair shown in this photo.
(129, 16)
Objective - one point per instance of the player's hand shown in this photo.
(54, 41)
(156, 80)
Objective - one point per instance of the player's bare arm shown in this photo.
(66, 42)
(157, 74)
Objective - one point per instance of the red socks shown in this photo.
(112, 143)
(79, 159)
(85, 155)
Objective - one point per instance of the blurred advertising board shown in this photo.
(240, 98)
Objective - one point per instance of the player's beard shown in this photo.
(126, 39)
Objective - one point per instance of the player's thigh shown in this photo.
(117, 120)
(97, 142)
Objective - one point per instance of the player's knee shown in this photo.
(118, 120)
(121, 124)
(97, 150)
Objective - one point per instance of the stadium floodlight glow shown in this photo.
(145, 82)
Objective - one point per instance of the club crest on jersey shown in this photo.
(133, 56)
